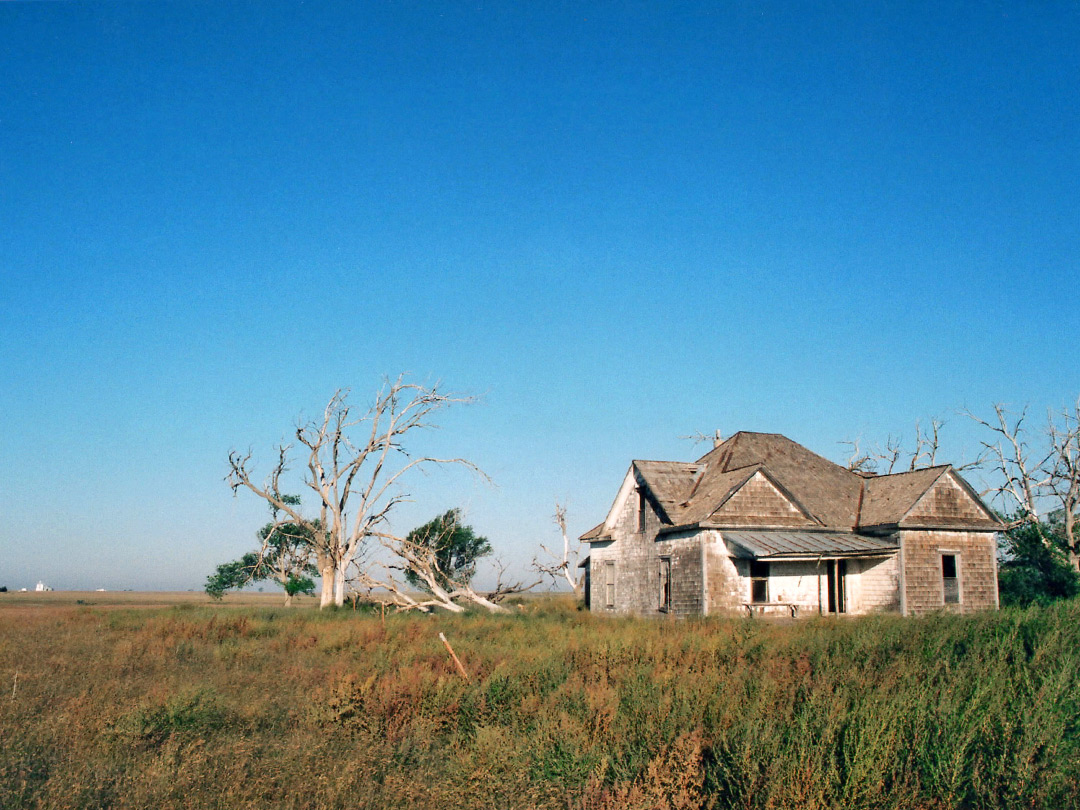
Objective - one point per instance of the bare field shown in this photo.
(145, 599)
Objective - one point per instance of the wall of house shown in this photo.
(636, 558)
(874, 585)
(684, 551)
(871, 585)
(921, 552)
(726, 588)
(794, 582)
(948, 503)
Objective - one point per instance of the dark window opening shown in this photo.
(609, 584)
(665, 583)
(759, 581)
(950, 581)
(641, 506)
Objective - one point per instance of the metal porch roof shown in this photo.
(808, 544)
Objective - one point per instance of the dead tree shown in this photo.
(1037, 478)
(381, 580)
(564, 567)
(885, 459)
(1063, 468)
(859, 461)
(927, 443)
(354, 465)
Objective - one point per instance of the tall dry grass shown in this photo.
(206, 707)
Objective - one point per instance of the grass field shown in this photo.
(152, 700)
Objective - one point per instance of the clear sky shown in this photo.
(615, 223)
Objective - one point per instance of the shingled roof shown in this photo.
(831, 497)
(670, 483)
(826, 491)
(888, 498)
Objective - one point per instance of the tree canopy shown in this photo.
(454, 549)
(285, 554)
(1035, 567)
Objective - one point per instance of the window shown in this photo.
(609, 584)
(759, 581)
(949, 579)
(641, 507)
(665, 583)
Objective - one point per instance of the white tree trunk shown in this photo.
(339, 585)
(326, 597)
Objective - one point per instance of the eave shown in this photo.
(832, 555)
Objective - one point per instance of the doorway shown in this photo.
(837, 586)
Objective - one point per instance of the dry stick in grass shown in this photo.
(16, 683)
(453, 655)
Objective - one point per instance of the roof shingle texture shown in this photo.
(889, 497)
(828, 492)
(834, 497)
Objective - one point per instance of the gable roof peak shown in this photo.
(828, 492)
(762, 446)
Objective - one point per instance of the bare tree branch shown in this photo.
(858, 461)
(381, 583)
(356, 483)
(564, 566)
(1034, 472)
(716, 438)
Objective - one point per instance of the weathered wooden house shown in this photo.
(760, 523)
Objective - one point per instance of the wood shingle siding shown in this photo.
(759, 503)
(680, 537)
(923, 583)
(945, 504)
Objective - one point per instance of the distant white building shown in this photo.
(41, 586)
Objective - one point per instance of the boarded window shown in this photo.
(950, 581)
(665, 583)
(759, 581)
(609, 584)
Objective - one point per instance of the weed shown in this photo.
(223, 706)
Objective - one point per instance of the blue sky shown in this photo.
(616, 224)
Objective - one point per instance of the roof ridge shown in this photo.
(661, 461)
(747, 466)
(728, 444)
(909, 472)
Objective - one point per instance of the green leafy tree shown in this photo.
(451, 546)
(1034, 567)
(285, 555)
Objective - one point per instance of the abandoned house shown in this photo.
(761, 524)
